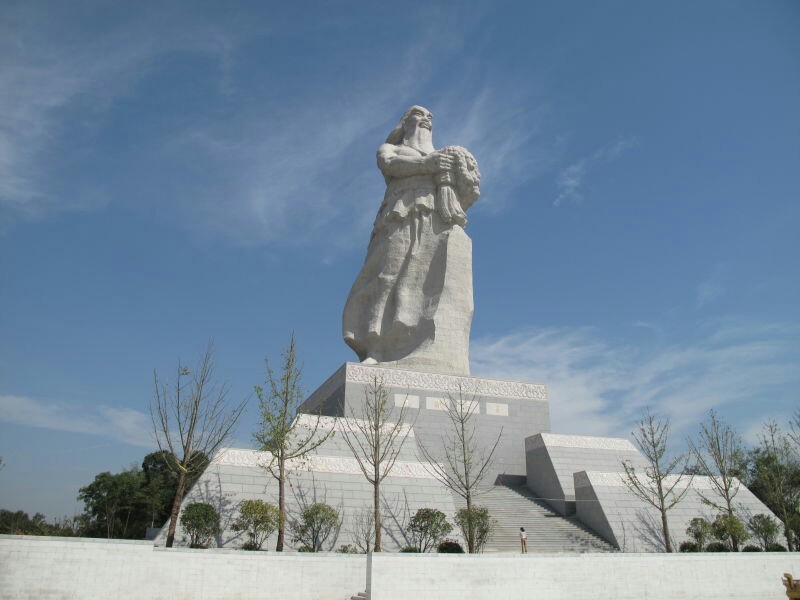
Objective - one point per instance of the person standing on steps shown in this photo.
(523, 540)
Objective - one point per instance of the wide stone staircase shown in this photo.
(514, 506)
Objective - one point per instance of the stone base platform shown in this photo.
(517, 409)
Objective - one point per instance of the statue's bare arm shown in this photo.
(393, 164)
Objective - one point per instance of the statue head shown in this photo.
(415, 117)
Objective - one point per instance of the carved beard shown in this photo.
(418, 136)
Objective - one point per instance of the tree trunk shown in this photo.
(376, 507)
(470, 526)
(665, 528)
(176, 506)
(281, 507)
(734, 542)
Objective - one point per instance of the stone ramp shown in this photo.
(514, 507)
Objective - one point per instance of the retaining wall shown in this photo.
(75, 568)
(34, 568)
(745, 576)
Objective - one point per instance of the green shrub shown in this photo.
(717, 547)
(347, 549)
(764, 529)
(688, 547)
(315, 525)
(700, 531)
(751, 548)
(730, 529)
(776, 548)
(259, 520)
(450, 547)
(410, 549)
(427, 528)
(475, 526)
(201, 522)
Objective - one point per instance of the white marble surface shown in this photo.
(237, 457)
(440, 382)
(579, 441)
(411, 304)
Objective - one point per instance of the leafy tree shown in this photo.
(718, 451)
(775, 479)
(315, 526)
(113, 504)
(659, 485)
(477, 523)
(428, 527)
(700, 531)
(764, 529)
(159, 486)
(375, 435)
(201, 522)
(463, 462)
(191, 421)
(730, 529)
(689, 547)
(281, 432)
(258, 519)
(19, 523)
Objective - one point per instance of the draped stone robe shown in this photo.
(411, 304)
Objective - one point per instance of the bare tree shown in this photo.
(282, 432)
(463, 463)
(375, 434)
(719, 453)
(363, 530)
(191, 421)
(660, 483)
(794, 431)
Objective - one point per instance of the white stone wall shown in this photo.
(606, 505)
(63, 568)
(33, 568)
(749, 576)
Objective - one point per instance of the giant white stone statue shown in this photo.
(411, 304)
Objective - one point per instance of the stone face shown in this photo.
(411, 304)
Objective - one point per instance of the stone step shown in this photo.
(513, 507)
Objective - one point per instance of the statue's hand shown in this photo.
(437, 162)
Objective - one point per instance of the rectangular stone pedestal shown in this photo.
(518, 409)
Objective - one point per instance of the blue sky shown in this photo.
(171, 174)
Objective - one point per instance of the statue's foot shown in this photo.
(369, 361)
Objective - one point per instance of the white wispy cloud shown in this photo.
(600, 387)
(306, 173)
(570, 180)
(267, 167)
(120, 424)
(49, 77)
